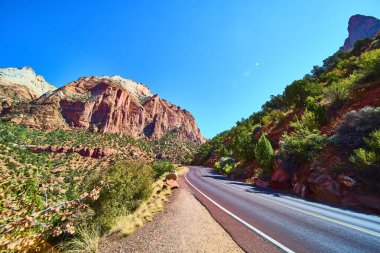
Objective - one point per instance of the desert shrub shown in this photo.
(226, 160)
(162, 167)
(126, 185)
(309, 120)
(229, 168)
(356, 126)
(265, 120)
(338, 91)
(367, 161)
(303, 144)
(369, 64)
(264, 153)
(318, 110)
(226, 164)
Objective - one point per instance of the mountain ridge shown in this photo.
(105, 104)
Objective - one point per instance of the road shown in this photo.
(288, 223)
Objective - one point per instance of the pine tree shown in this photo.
(264, 154)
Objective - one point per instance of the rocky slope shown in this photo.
(107, 105)
(360, 27)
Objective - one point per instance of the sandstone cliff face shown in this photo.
(360, 27)
(110, 105)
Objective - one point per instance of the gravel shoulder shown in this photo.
(184, 226)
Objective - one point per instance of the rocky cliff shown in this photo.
(109, 105)
(360, 27)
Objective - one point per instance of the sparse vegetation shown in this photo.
(65, 196)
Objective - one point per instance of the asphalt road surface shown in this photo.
(252, 216)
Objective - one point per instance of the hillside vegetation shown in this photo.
(320, 137)
(55, 184)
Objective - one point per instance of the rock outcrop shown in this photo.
(97, 152)
(109, 105)
(360, 27)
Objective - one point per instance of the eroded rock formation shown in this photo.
(109, 105)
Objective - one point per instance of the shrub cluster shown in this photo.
(356, 126)
(126, 185)
(303, 144)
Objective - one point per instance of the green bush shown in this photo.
(126, 186)
(318, 110)
(229, 168)
(303, 144)
(338, 91)
(367, 161)
(226, 164)
(264, 154)
(369, 64)
(371, 155)
(162, 167)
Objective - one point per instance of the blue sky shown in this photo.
(221, 60)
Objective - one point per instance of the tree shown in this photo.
(264, 154)
(297, 93)
(243, 145)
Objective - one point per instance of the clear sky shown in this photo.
(221, 60)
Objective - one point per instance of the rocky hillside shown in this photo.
(320, 138)
(360, 27)
(100, 104)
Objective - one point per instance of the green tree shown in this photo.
(243, 145)
(297, 93)
(264, 154)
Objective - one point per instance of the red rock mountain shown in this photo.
(360, 27)
(109, 105)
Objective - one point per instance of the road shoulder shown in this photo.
(184, 226)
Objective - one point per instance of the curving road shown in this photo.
(254, 216)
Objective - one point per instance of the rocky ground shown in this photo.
(184, 226)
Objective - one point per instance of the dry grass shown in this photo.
(125, 225)
(87, 241)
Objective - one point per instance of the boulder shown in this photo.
(323, 187)
(346, 180)
(283, 169)
(171, 184)
(172, 176)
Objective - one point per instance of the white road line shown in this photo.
(364, 230)
(281, 246)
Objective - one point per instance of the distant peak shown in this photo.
(360, 27)
(25, 76)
